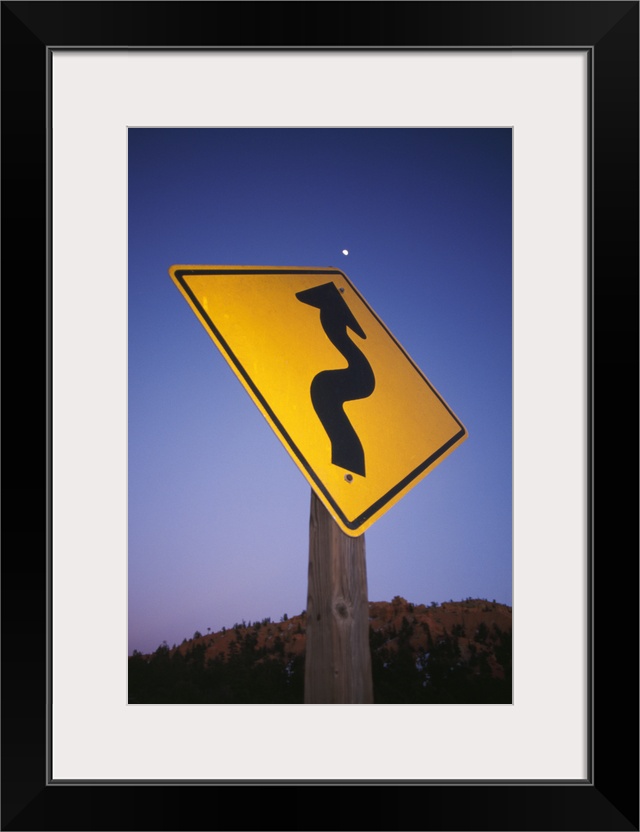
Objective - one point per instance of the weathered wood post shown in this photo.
(338, 657)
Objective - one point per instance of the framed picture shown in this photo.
(563, 78)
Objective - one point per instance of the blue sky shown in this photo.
(218, 512)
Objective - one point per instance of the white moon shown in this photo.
(344, 251)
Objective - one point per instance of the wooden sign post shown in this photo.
(338, 659)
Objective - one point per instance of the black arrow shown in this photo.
(331, 388)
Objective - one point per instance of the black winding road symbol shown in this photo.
(330, 389)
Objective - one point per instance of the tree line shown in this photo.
(409, 666)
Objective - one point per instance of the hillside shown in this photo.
(455, 652)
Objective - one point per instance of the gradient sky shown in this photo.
(218, 512)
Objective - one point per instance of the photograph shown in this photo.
(357, 283)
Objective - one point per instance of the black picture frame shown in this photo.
(608, 799)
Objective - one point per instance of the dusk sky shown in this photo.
(218, 512)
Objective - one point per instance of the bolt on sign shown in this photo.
(358, 417)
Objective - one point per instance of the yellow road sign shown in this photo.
(358, 417)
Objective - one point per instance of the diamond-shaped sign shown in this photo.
(357, 416)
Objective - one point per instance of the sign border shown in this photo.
(363, 521)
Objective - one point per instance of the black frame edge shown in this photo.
(609, 801)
